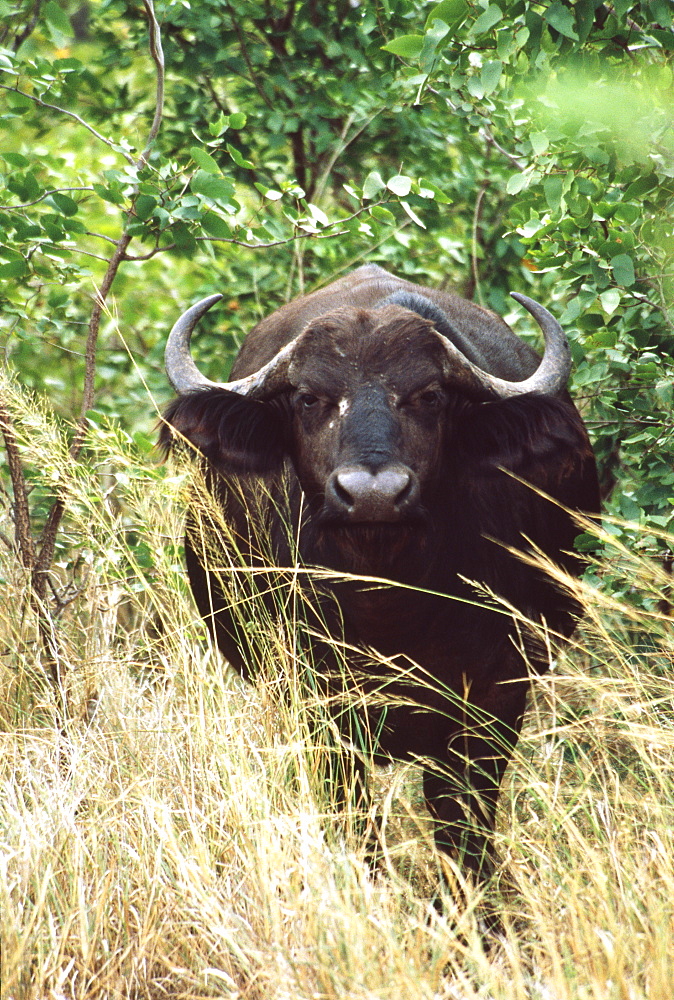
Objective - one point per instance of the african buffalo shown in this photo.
(403, 433)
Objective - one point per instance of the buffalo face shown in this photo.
(368, 416)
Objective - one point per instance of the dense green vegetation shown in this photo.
(492, 148)
(150, 155)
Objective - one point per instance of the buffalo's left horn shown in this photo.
(549, 379)
(185, 376)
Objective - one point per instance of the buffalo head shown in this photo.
(362, 400)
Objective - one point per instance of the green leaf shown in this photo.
(204, 160)
(57, 18)
(183, 237)
(318, 215)
(664, 390)
(452, 12)
(552, 186)
(412, 214)
(144, 206)
(219, 126)
(239, 159)
(640, 187)
(492, 15)
(14, 269)
(16, 159)
(561, 19)
(112, 194)
(438, 194)
(627, 213)
(585, 14)
(517, 182)
(18, 102)
(64, 204)
(373, 184)
(238, 120)
(215, 225)
(432, 39)
(610, 300)
(491, 74)
(666, 38)
(623, 269)
(382, 214)
(539, 142)
(405, 46)
(217, 188)
(400, 185)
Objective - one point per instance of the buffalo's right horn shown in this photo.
(185, 376)
(549, 379)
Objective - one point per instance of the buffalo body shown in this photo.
(376, 428)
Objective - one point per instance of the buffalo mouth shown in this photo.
(373, 548)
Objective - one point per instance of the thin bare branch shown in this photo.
(157, 54)
(29, 204)
(262, 246)
(70, 114)
(22, 528)
(491, 141)
(246, 57)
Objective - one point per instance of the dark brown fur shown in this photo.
(367, 392)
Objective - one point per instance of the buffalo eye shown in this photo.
(307, 400)
(432, 397)
(429, 399)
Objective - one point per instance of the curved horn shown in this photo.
(185, 376)
(549, 379)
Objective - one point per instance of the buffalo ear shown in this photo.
(539, 439)
(233, 433)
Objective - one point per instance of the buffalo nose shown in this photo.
(372, 496)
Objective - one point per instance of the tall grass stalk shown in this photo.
(174, 837)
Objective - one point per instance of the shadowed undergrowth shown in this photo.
(173, 836)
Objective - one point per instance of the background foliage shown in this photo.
(521, 146)
(164, 829)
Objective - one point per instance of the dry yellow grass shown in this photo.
(172, 839)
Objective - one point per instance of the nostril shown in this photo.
(394, 485)
(405, 493)
(340, 491)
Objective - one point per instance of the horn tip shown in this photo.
(210, 300)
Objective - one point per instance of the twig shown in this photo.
(69, 114)
(246, 58)
(30, 558)
(262, 246)
(157, 54)
(122, 243)
(101, 236)
(342, 145)
(29, 204)
(491, 141)
(24, 537)
(28, 30)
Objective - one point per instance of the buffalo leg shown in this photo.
(462, 791)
